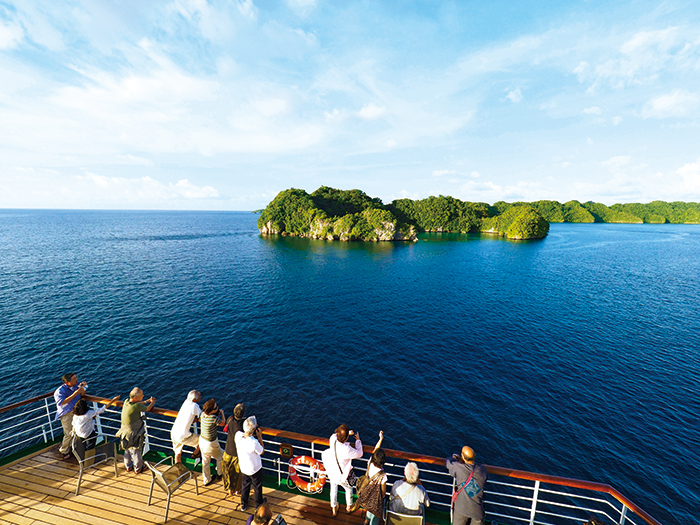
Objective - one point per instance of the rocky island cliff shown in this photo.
(348, 215)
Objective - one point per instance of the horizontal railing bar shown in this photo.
(24, 423)
(37, 409)
(25, 402)
(38, 436)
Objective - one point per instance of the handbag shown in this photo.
(352, 477)
(470, 487)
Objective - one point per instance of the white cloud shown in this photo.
(515, 95)
(440, 173)
(615, 163)
(593, 110)
(133, 159)
(664, 38)
(690, 178)
(371, 112)
(10, 35)
(617, 120)
(678, 103)
(146, 189)
(271, 107)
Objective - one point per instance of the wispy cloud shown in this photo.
(678, 103)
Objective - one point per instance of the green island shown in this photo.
(349, 215)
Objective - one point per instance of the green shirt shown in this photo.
(132, 412)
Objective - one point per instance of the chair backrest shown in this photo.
(394, 518)
(158, 477)
(78, 448)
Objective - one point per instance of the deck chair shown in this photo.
(169, 479)
(103, 453)
(396, 518)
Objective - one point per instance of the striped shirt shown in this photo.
(210, 426)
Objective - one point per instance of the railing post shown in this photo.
(454, 487)
(98, 421)
(533, 509)
(623, 514)
(313, 450)
(48, 416)
(146, 442)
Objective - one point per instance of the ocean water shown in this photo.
(576, 355)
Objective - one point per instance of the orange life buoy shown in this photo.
(317, 474)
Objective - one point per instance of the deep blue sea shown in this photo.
(575, 356)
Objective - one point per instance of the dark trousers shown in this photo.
(89, 442)
(257, 481)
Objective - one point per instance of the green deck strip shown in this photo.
(29, 451)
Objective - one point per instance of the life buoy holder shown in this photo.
(316, 472)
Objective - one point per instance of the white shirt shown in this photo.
(185, 417)
(345, 453)
(84, 425)
(249, 450)
(412, 496)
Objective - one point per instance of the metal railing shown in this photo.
(511, 496)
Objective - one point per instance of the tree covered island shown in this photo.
(348, 215)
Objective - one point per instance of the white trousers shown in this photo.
(210, 449)
(334, 493)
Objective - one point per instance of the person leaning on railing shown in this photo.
(133, 429)
(209, 441)
(66, 396)
(84, 421)
(232, 471)
(471, 477)
(180, 433)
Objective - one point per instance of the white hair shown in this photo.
(194, 395)
(411, 472)
(249, 425)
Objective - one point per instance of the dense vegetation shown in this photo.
(574, 211)
(333, 214)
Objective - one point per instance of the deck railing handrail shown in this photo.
(407, 456)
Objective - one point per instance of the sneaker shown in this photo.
(129, 469)
(243, 508)
(139, 470)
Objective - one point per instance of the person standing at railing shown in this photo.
(181, 434)
(133, 430)
(337, 461)
(66, 396)
(84, 421)
(249, 445)
(468, 498)
(232, 471)
(209, 441)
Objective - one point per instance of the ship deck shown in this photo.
(40, 489)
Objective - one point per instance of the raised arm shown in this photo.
(379, 443)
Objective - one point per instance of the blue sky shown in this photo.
(196, 104)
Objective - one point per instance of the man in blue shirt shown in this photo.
(66, 396)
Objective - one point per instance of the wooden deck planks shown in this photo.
(40, 490)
